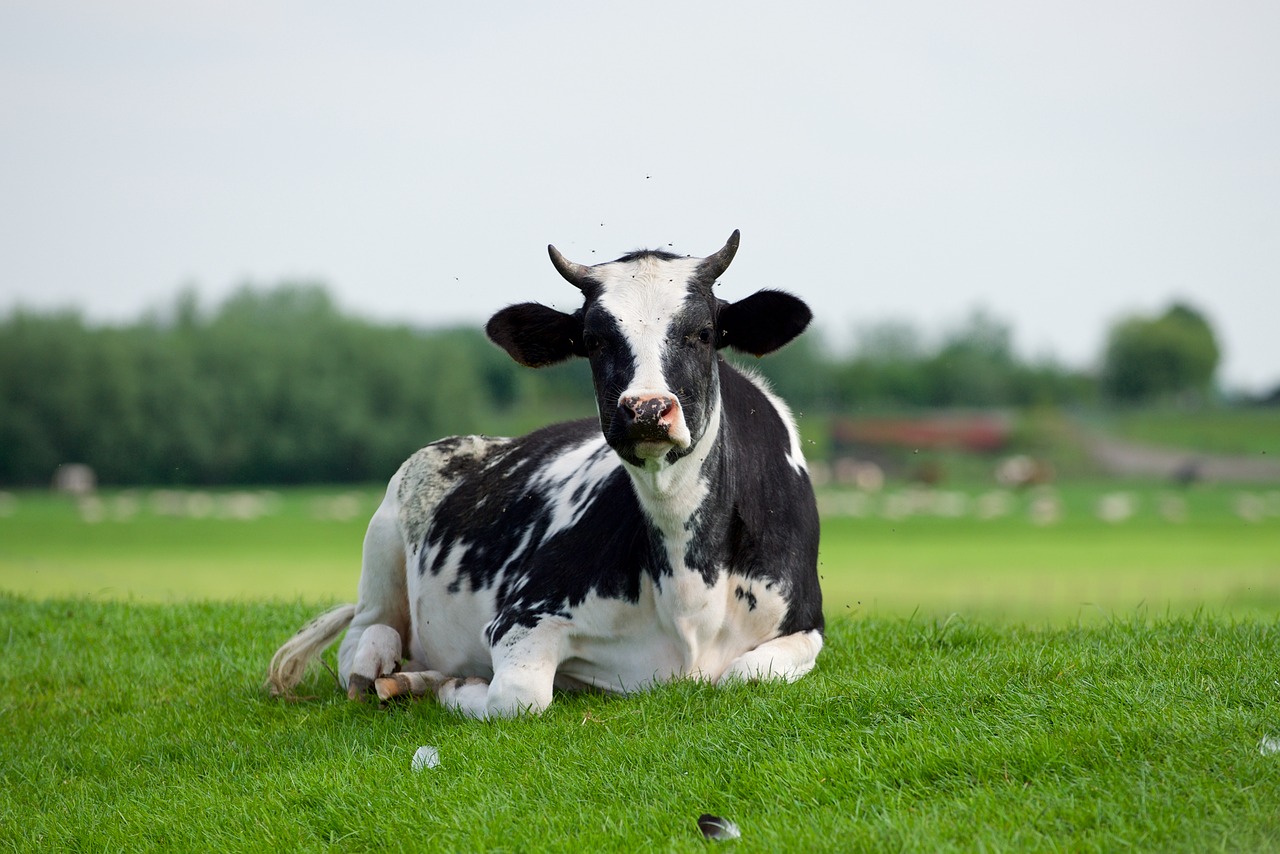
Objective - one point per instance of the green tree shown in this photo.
(885, 368)
(1147, 359)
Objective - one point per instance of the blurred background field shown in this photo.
(1082, 551)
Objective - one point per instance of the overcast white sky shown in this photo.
(1060, 164)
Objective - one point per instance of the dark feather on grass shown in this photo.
(715, 827)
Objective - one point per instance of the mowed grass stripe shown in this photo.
(1019, 570)
(1008, 567)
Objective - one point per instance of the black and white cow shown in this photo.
(677, 536)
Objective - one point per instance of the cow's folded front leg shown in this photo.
(524, 670)
(524, 673)
(377, 654)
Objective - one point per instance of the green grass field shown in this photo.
(1002, 672)
(931, 553)
(133, 726)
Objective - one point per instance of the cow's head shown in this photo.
(651, 326)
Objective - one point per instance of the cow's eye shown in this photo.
(705, 335)
(591, 341)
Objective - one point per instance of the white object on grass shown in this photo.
(1270, 745)
(426, 756)
(715, 827)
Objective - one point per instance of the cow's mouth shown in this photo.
(652, 449)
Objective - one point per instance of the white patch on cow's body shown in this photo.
(703, 631)
(571, 479)
(448, 626)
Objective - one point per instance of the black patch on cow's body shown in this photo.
(689, 362)
(609, 362)
(604, 553)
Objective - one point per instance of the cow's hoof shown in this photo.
(358, 686)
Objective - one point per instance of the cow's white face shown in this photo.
(650, 326)
(650, 335)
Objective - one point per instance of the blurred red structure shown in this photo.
(980, 433)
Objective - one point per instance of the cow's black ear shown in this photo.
(536, 335)
(762, 322)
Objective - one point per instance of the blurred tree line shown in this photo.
(279, 386)
(274, 386)
(893, 366)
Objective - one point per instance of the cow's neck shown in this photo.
(671, 494)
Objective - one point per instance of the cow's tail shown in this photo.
(290, 661)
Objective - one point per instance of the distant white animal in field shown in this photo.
(1115, 507)
(75, 479)
(1022, 470)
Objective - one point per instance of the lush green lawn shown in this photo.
(1067, 684)
(130, 726)
(883, 562)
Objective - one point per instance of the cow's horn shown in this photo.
(574, 274)
(716, 264)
